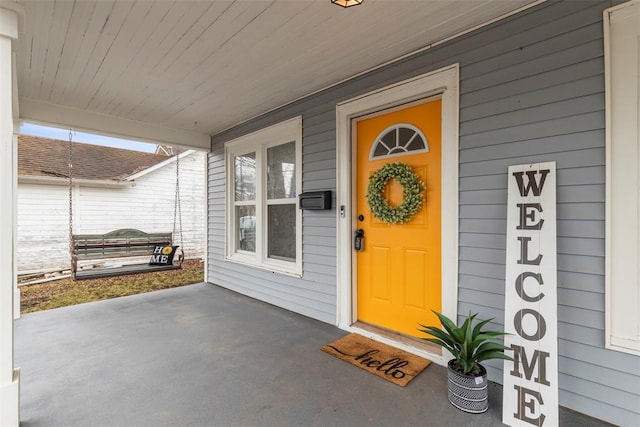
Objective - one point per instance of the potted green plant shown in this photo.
(469, 346)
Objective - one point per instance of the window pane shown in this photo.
(246, 228)
(282, 232)
(417, 144)
(245, 177)
(281, 171)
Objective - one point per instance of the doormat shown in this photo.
(377, 358)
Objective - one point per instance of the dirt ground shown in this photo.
(65, 292)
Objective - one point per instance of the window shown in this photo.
(398, 140)
(264, 224)
(622, 59)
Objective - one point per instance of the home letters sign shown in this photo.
(530, 381)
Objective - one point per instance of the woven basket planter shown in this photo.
(467, 392)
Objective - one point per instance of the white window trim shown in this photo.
(622, 273)
(258, 142)
(444, 83)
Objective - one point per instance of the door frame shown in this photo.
(444, 83)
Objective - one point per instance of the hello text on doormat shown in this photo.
(377, 358)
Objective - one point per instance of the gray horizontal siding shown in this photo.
(552, 111)
(313, 295)
(532, 90)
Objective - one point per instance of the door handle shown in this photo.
(358, 241)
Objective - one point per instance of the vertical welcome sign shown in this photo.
(530, 382)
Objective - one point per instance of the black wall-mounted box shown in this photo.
(315, 200)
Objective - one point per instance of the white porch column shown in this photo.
(9, 377)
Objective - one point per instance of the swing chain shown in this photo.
(177, 208)
(70, 164)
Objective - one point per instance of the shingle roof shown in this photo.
(38, 156)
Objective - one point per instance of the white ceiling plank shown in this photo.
(62, 14)
(24, 58)
(139, 77)
(196, 39)
(281, 45)
(40, 18)
(89, 33)
(74, 92)
(85, 86)
(110, 57)
(232, 18)
(291, 62)
(65, 117)
(106, 81)
(243, 40)
(182, 18)
(202, 66)
(71, 46)
(123, 102)
(286, 63)
(190, 30)
(285, 44)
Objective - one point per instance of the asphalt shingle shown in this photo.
(38, 156)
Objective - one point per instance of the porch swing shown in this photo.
(125, 243)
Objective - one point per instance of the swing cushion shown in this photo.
(163, 255)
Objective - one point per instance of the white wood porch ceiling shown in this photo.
(203, 66)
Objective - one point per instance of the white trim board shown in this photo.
(444, 83)
(66, 117)
(50, 180)
(160, 165)
(622, 217)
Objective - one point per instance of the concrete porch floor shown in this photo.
(200, 355)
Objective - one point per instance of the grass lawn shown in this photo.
(61, 293)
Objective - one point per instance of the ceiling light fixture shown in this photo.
(347, 3)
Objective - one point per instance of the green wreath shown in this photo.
(412, 188)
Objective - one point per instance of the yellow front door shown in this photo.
(399, 268)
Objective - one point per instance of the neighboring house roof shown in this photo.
(38, 156)
(166, 150)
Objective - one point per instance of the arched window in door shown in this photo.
(398, 140)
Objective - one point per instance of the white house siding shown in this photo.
(147, 205)
(531, 90)
(43, 224)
